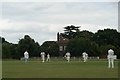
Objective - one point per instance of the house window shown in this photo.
(61, 48)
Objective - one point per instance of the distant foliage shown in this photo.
(95, 44)
(9, 50)
(107, 36)
(79, 45)
(28, 44)
(70, 31)
(50, 47)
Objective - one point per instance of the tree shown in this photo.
(0, 39)
(77, 46)
(6, 50)
(50, 47)
(85, 34)
(0, 51)
(107, 37)
(78, 41)
(70, 31)
(28, 44)
(9, 50)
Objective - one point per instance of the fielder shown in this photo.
(67, 56)
(48, 57)
(43, 56)
(26, 56)
(110, 58)
(85, 56)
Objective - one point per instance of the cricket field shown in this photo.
(58, 69)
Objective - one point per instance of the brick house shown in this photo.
(62, 43)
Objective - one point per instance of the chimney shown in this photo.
(58, 36)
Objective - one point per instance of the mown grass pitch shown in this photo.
(58, 69)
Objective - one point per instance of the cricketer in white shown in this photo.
(111, 58)
(26, 56)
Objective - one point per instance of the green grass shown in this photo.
(58, 69)
(0, 68)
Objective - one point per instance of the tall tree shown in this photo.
(70, 31)
(28, 44)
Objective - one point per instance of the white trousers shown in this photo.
(85, 59)
(26, 60)
(48, 59)
(68, 59)
(43, 59)
(110, 63)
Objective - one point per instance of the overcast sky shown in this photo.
(42, 20)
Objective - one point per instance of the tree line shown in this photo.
(95, 44)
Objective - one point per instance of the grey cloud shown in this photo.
(51, 12)
(43, 20)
